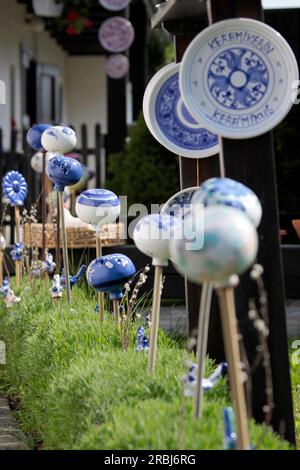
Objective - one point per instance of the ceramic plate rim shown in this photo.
(193, 48)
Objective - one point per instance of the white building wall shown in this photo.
(14, 34)
(86, 93)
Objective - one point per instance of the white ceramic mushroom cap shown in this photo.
(223, 244)
(98, 207)
(152, 236)
(59, 139)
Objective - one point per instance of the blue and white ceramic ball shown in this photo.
(109, 274)
(223, 244)
(98, 207)
(228, 192)
(63, 171)
(34, 136)
(59, 139)
(152, 236)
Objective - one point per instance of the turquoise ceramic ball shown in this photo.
(224, 243)
(231, 193)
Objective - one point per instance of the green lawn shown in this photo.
(78, 390)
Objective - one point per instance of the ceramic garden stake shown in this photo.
(109, 274)
(98, 207)
(223, 246)
(64, 171)
(2, 249)
(60, 140)
(214, 192)
(152, 236)
(34, 136)
(15, 189)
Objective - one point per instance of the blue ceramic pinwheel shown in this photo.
(73, 279)
(17, 252)
(15, 188)
(34, 136)
(63, 171)
(109, 274)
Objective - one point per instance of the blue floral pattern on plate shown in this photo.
(175, 121)
(238, 78)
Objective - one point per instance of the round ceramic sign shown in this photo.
(116, 34)
(237, 77)
(114, 5)
(169, 120)
(117, 66)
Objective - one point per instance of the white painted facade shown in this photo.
(83, 79)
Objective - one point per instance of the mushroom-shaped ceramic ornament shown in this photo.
(64, 171)
(218, 249)
(152, 236)
(109, 274)
(98, 207)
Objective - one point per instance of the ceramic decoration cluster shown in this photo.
(116, 35)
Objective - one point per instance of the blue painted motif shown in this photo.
(142, 341)
(73, 279)
(15, 188)
(171, 124)
(63, 171)
(109, 274)
(98, 197)
(238, 78)
(230, 437)
(17, 252)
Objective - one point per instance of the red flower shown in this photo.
(71, 31)
(87, 23)
(72, 16)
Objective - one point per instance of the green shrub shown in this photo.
(78, 390)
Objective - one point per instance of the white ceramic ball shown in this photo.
(98, 207)
(223, 244)
(152, 236)
(59, 139)
(2, 243)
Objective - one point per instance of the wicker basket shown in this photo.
(78, 237)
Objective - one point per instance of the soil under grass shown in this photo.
(78, 390)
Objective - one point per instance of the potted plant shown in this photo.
(48, 8)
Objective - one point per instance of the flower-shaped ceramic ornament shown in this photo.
(63, 171)
(15, 188)
(34, 136)
(60, 139)
(109, 274)
(98, 207)
(228, 192)
(225, 243)
(152, 236)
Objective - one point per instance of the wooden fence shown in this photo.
(19, 155)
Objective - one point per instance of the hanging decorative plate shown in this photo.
(237, 77)
(180, 204)
(169, 120)
(114, 5)
(117, 66)
(116, 34)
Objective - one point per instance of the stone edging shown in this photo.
(11, 437)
